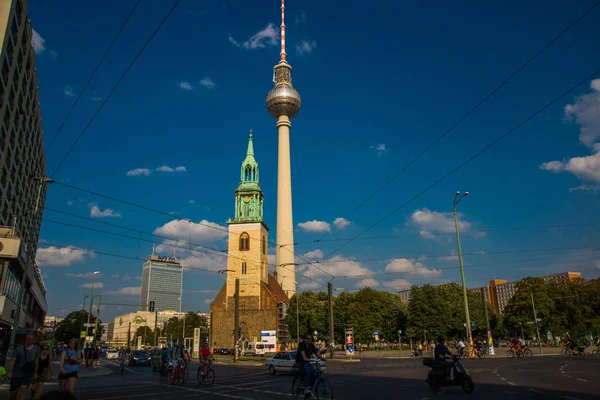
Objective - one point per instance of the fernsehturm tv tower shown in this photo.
(283, 103)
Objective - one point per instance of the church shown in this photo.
(263, 303)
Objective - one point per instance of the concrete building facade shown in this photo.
(125, 326)
(162, 283)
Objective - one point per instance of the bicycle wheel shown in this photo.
(519, 353)
(564, 351)
(510, 353)
(200, 375)
(210, 376)
(527, 353)
(297, 387)
(324, 389)
(185, 374)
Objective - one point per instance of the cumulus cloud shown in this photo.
(380, 149)
(166, 168)
(314, 254)
(88, 285)
(126, 291)
(452, 257)
(398, 284)
(430, 222)
(61, 257)
(367, 282)
(208, 301)
(96, 212)
(208, 83)
(306, 47)
(341, 223)
(202, 231)
(585, 168)
(185, 85)
(315, 226)
(269, 36)
(410, 267)
(139, 172)
(340, 266)
(204, 261)
(82, 275)
(38, 42)
(68, 91)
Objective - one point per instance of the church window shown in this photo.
(264, 244)
(248, 173)
(244, 268)
(244, 242)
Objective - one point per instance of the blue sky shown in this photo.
(378, 85)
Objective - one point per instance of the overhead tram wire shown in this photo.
(62, 124)
(467, 161)
(113, 89)
(465, 116)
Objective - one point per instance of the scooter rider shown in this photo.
(440, 353)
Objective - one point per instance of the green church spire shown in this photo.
(248, 195)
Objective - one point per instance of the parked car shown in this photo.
(283, 362)
(139, 357)
(112, 354)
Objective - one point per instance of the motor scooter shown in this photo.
(436, 377)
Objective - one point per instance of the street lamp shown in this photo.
(457, 198)
(91, 298)
(85, 296)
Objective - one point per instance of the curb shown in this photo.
(333, 360)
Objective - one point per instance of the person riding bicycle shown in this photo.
(440, 353)
(205, 357)
(460, 347)
(164, 360)
(306, 349)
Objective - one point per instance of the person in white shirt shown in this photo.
(460, 347)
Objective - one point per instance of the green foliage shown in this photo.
(313, 312)
(70, 327)
(174, 327)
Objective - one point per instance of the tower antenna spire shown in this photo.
(282, 59)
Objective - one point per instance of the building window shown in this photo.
(244, 242)
(264, 244)
(244, 268)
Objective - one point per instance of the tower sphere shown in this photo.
(283, 100)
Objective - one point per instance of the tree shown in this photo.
(340, 315)
(146, 333)
(313, 314)
(72, 325)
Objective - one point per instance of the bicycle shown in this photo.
(481, 352)
(208, 376)
(322, 388)
(512, 352)
(566, 351)
(124, 363)
(177, 374)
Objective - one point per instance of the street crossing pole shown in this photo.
(331, 335)
(236, 324)
(487, 323)
(536, 324)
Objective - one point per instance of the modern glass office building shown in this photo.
(162, 279)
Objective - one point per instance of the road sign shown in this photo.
(82, 335)
(89, 325)
(376, 333)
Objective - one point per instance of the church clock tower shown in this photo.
(248, 237)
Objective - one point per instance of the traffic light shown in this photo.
(151, 306)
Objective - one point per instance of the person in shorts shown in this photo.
(70, 359)
(44, 371)
(205, 357)
(22, 368)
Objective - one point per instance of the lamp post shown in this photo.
(85, 296)
(91, 299)
(457, 198)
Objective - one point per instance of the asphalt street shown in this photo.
(551, 377)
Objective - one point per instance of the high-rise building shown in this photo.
(262, 300)
(162, 279)
(283, 103)
(22, 161)
(22, 173)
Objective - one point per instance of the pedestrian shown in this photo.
(22, 368)
(44, 371)
(70, 360)
(95, 356)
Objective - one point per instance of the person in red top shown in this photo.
(205, 357)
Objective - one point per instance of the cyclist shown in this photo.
(205, 357)
(164, 361)
(123, 357)
(306, 349)
(460, 347)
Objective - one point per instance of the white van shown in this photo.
(254, 349)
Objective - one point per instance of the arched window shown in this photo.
(248, 173)
(264, 244)
(244, 242)
(244, 268)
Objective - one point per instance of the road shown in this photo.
(551, 377)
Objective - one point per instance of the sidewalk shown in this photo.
(500, 353)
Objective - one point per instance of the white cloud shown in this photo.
(310, 285)
(38, 42)
(201, 291)
(429, 222)
(315, 226)
(314, 254)
(341, 223)
(192, 201)
(585, 111)
(380, 149)
(452, 257)
(126, 278)
(300, 18)
(480, 252)
(96, 212)
(139, 172)
(166, 168)
(196, 232)
(585, 188)
(69, 202)
(88, 285)
(367, 282)
(340, 266)
(82, 275)
(204, 261)
(266, 37)
(584, 168)
(306, 47)
(61, 257)
(114, 276)
(209, 301)
(126, 291)
(208, 83)
(185, 85)
(233, 41)
(95, 98)
(411, 268)
(68, 91)
(398, 284)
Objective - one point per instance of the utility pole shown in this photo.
(536, 324)
(487, 323)
(457, 199)
(129, 335)
(85, 296)
(331, 336)
(97, 320)
(236, 323)
(155, 326)
(91, 301)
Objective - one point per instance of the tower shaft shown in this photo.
(286, 270)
